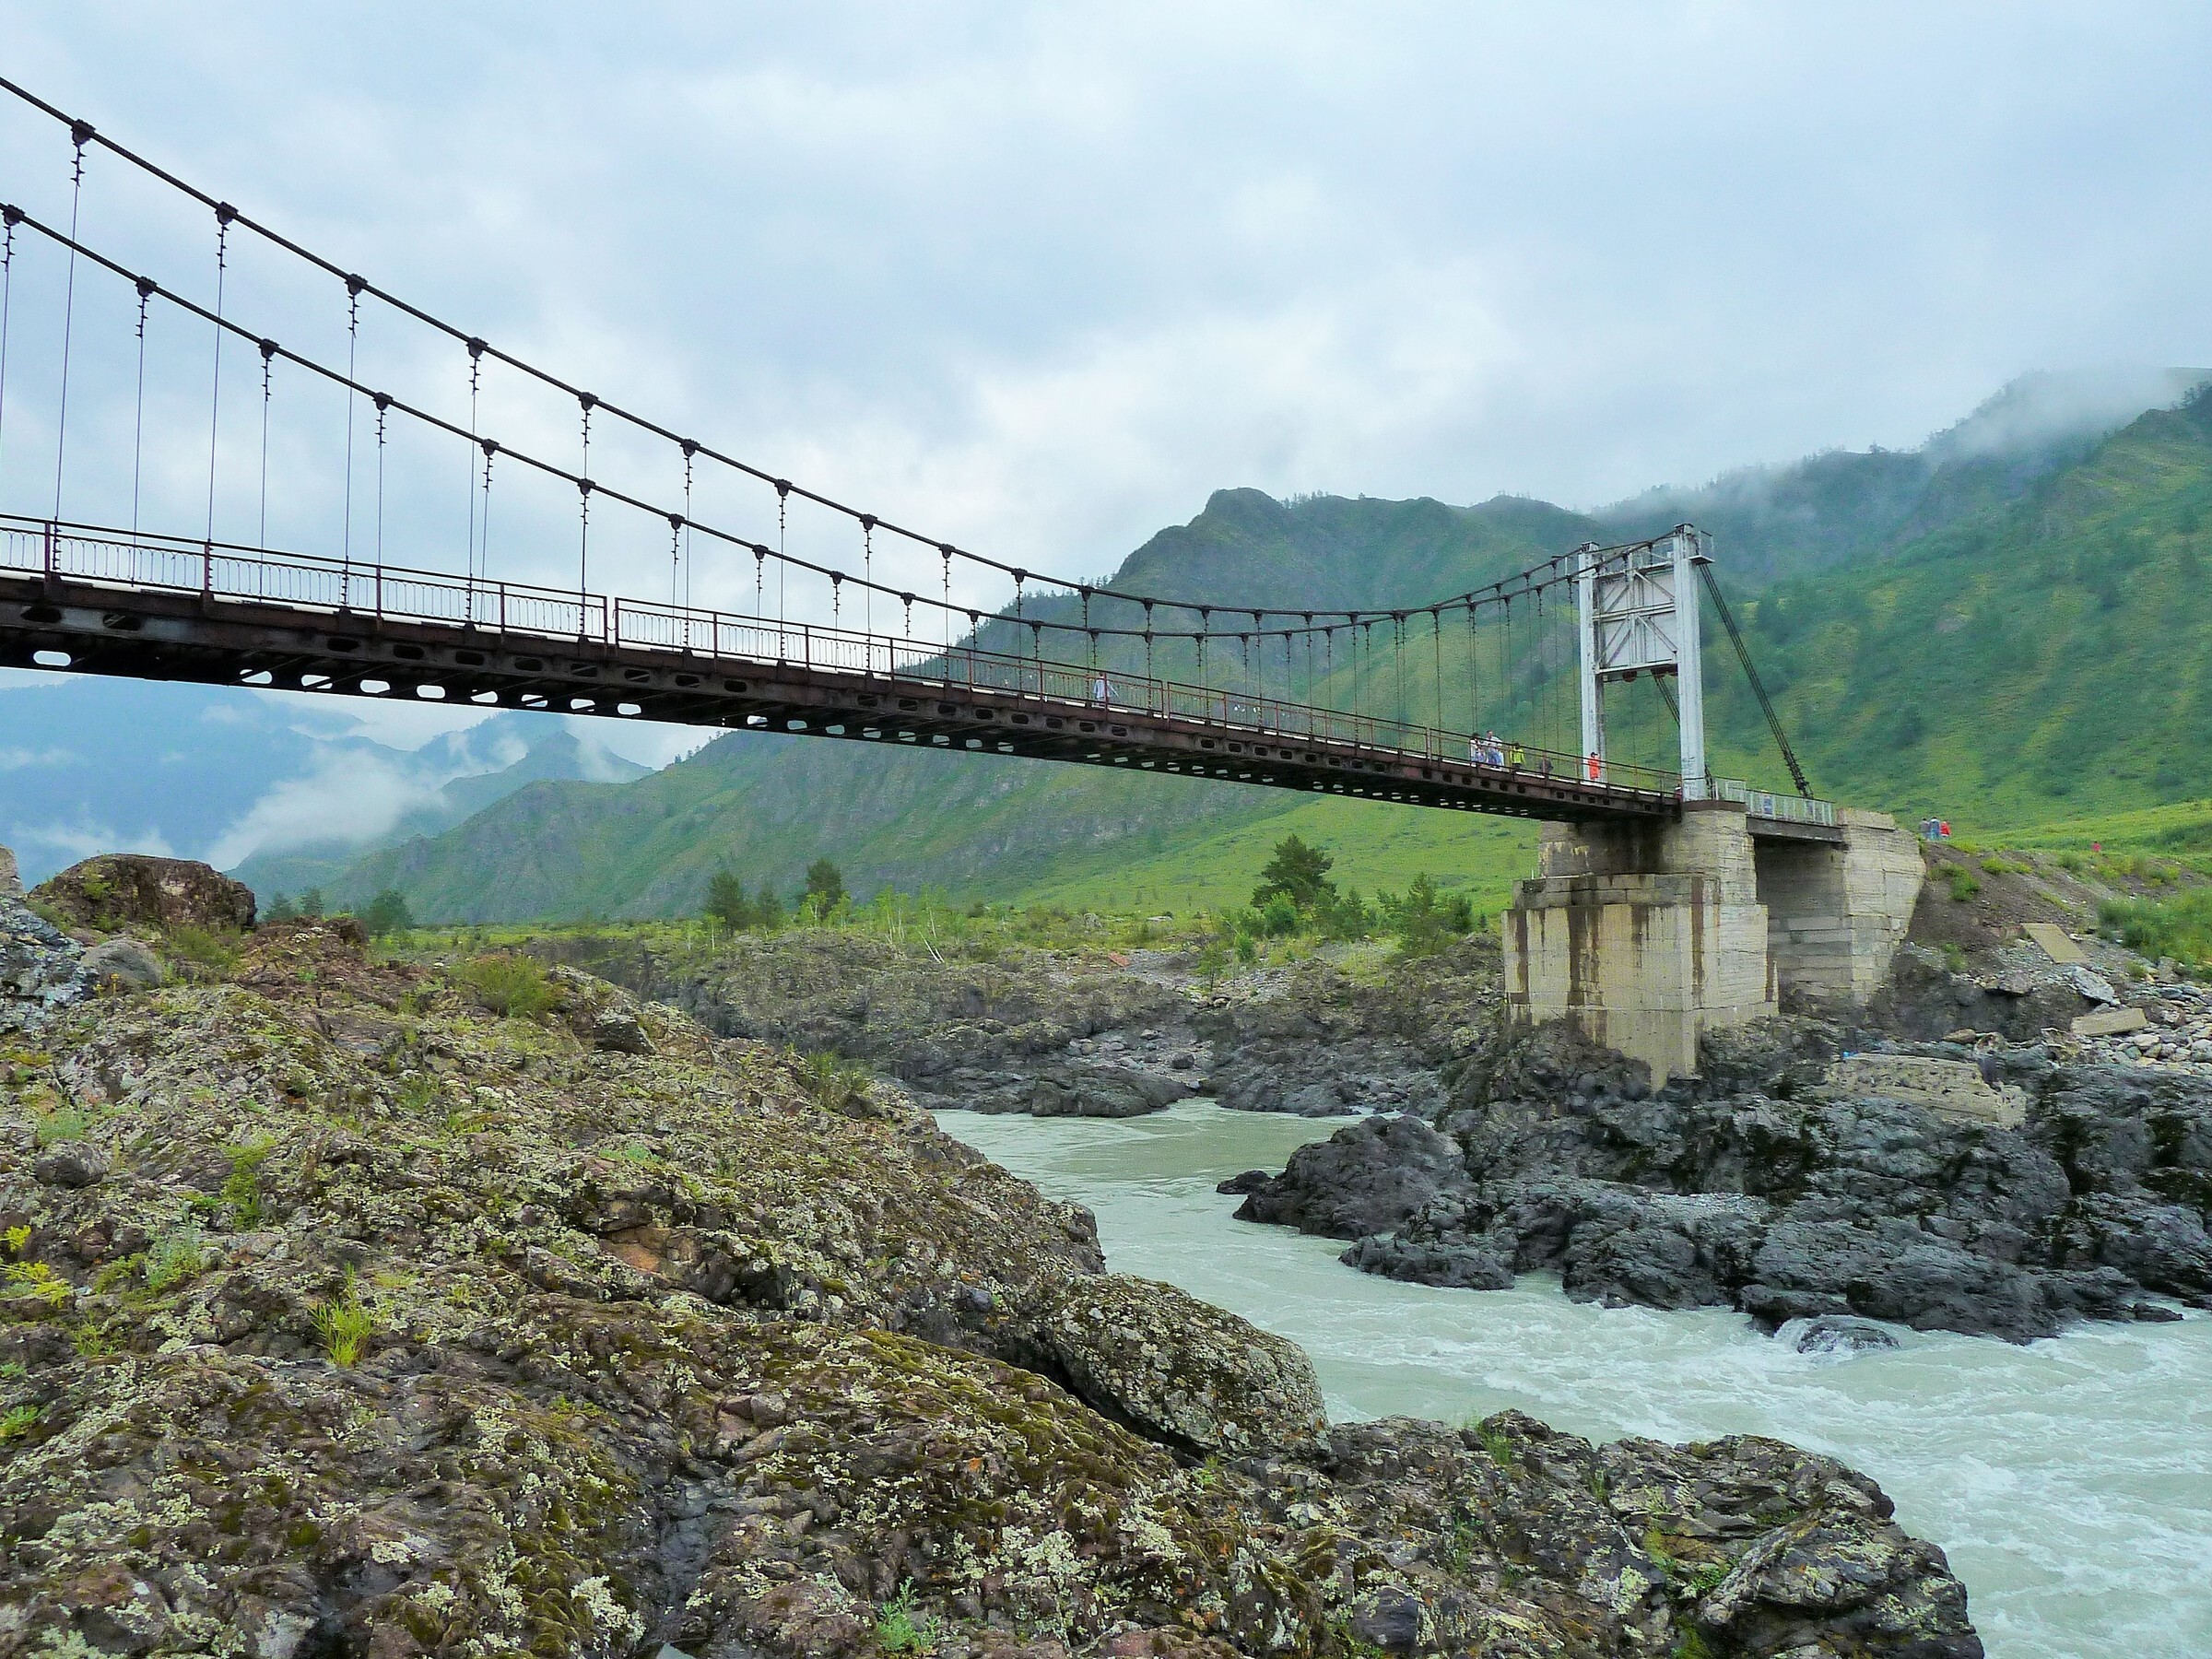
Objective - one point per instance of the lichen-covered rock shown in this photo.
(366, 1321)
(118, 890)
(41, 967)
(122, 963)
(1182, 1371)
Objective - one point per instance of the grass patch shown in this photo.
(62, 1124)
(174, 1256)
(344, 1327)
(18, 1421)
(204, 948)
(515, 987)
(2180, 927)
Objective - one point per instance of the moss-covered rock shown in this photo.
(363, 1319)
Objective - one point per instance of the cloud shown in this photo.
(1038, 279)
(347, 800)
(45, 848)
(15, 760)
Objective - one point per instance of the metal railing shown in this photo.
(352, 590)
(1771, 803)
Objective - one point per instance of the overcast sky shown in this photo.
(1039, 279)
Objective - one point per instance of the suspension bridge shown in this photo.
(117, 569)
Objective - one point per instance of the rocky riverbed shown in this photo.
(356, 1305)
(1068, 1033)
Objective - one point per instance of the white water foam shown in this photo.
(2069, 1481)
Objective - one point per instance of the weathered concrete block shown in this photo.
(1952, 1088)
(2109, 1022)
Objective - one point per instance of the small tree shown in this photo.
(281, 909)
(727, 902)
(825, 887)
(387, 913)
(1426, 920)
(1298, 873)
(310, 903)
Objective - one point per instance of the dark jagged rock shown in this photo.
(1752, 1187)
(1369, 1177)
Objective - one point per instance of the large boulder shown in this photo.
(119, 890)
(1181, 1370)
(11, 881)
(1369, 1177)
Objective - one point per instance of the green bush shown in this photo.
(902, 1629)
(1296, 872)
(62, 1124)
(1964, 884)
(513, 986)
(2180, 927)
(204, 948)
(173, 1257)
(1426, 920)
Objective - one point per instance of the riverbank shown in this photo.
(2069, 1480)
(410, 1306)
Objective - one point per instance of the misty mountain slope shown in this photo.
(1843, 506)
(2043, 659)
(559, 755)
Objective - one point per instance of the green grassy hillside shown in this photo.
(2003, 639)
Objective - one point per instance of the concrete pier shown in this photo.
(1649, 935)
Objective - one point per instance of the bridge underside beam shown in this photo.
(87, 628)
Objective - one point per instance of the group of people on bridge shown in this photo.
(1488, 750)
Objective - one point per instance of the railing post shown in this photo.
(48, 537)
(502, 608)
(380, 593)
(206, 571)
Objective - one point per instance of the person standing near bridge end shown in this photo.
(1594, 765)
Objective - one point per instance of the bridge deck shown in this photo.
(148, 608)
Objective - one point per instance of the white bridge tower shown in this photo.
(1637, 613)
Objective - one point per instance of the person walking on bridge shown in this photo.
(1102, 689)
(1596, 766)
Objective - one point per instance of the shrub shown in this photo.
(902, 1629)
(833, 1083)
(1213, 962)
(18, 1421)
(173, 1257)
(512, 986)
(2180, 927)
(203, 948)
(241, 1190)
(1964, 882)
(1426, 920)
(1298, 873)
(1277, 917)
(344, 1326)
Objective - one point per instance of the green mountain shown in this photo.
(2009, 625)
(560, 755)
